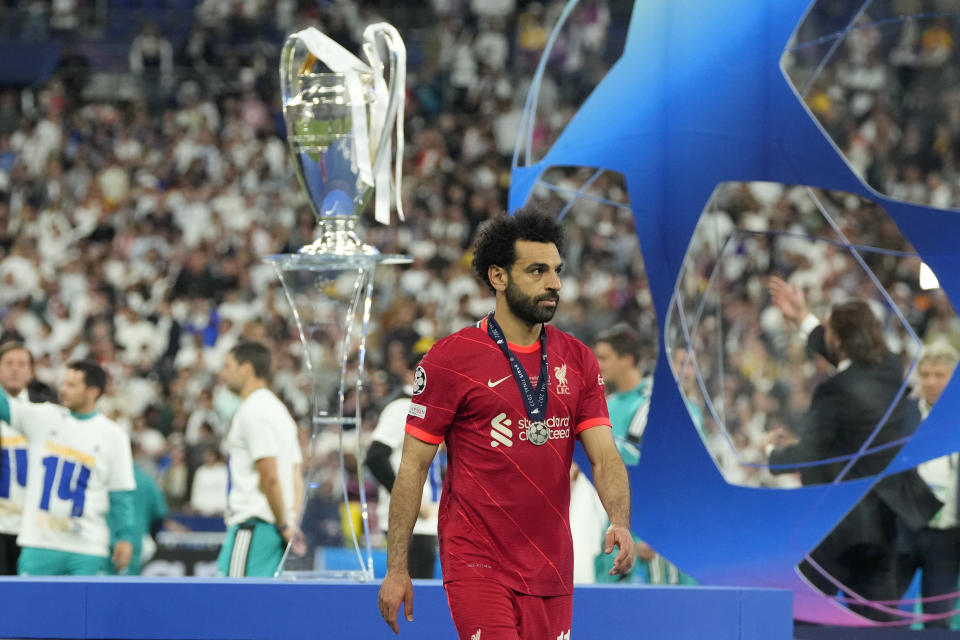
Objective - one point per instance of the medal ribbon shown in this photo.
(534, 400)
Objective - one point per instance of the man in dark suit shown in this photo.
(855, 409)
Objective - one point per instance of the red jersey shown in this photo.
(505, 505)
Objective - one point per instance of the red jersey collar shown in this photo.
(516, 348)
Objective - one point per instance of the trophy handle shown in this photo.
(292, 69)
(374, 120)
(386, 34)
(373, 36)
(289, 74)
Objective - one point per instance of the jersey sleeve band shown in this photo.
(592, 422)
(420, 434)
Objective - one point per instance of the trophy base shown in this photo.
(338, 238)
(356, 575)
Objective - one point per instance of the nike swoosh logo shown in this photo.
(492, 384)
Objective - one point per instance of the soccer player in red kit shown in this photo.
(509, 396)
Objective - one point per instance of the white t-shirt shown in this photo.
(74, 464)
(13, 477)
(588, 522)
(209, 492)
(940, 474)
(261, 428)
(390, 431)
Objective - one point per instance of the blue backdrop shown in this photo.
(699, 98)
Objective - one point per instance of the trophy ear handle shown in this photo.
(393, 103)
(391, 113)
(386, 34)
(290, 71)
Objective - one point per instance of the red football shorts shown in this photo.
(487, 610)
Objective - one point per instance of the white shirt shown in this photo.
(209, 492)
(261, 428)
(390, 431)
(13, 484)
(940, 474)
(587, 528)
(74, 464)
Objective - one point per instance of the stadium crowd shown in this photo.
(133, 225)
(755, 374)
(133, 231)
(879, 91)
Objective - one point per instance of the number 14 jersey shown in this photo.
(74, 465)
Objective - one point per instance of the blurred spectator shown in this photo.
(532, 34)
(204, 424)
(151, 60)
(880, 96)
(208, 495)
(621, 354)
(149, 510)
(174, 476)
(36, 20)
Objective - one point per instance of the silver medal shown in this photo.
(538, 433)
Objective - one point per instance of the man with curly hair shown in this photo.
(508, 396)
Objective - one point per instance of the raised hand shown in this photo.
(788, 298)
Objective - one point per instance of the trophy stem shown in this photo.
(363, 288)
(331, 299)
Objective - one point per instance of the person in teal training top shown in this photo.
(620, 351)
(149, 507)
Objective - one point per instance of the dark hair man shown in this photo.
(266, 482)
(850, 411)
(64, 529)
(618, 351)
(508, 396)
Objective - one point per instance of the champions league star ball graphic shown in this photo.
(538, 433)
(711, 94)
(419, 380)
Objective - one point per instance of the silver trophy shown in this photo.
(340, 114)
(339, 127)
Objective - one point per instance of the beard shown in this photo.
(528, 309)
